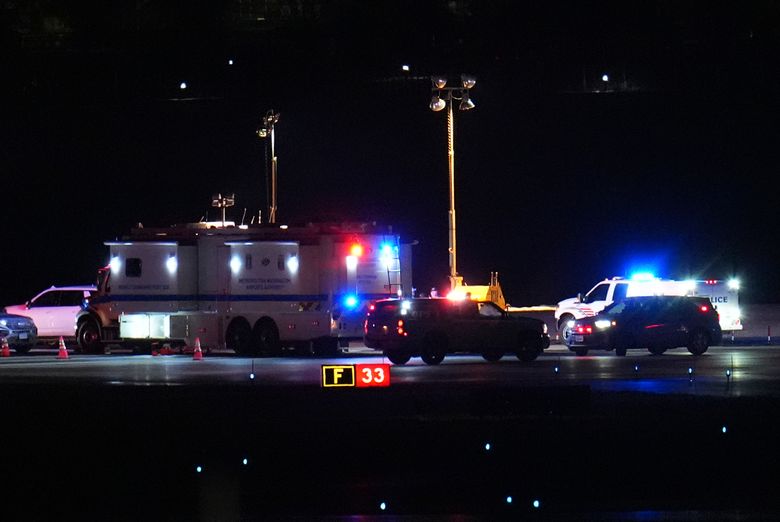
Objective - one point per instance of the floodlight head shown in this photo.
(440, 82)
(437, 103)
(467, 81)
(466, 104)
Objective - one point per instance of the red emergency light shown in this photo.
(356, 250)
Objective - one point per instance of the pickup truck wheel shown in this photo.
(563, 327)
(528, 348)
(698, 342)
(528, 354)
(434, 348)
(398, 356)
(88, 336)
(656, 349)
(238, 337)
(492, 354)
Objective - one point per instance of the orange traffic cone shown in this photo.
(63, 353)
(197, 353)
(6, 350)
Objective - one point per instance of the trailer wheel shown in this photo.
(88, 336)
(266, 336)
(238, 336)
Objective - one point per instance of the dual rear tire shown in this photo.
(263, 339)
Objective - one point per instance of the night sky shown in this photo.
(562, 178)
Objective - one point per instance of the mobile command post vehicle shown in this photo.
(253, 289)
(724, 296)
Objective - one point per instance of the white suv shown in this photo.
(54, 310)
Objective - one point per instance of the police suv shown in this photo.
(724, 296)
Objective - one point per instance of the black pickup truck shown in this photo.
(433, 327)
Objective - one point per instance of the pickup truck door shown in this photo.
(498, 330)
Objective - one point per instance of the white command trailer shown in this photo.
(724, 296)
(253, 289)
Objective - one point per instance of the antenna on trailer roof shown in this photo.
(223, 202)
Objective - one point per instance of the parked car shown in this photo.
(432, 328)
(18, 331)
(54, 310)
(657, 323)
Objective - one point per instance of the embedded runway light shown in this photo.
(405, 68)
(605, 78)
(723, 429)
(198, 469)
(245, 462)
(382, 506)
(509, 500)
(487, 446)
(183, 85)
(536, 504)
(230, 62)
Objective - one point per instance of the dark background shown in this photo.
(562, 179)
